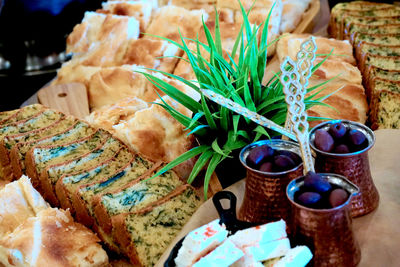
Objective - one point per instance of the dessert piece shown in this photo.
(96, 28)
(296, 257)
(132, 196)
(168, 19)
(67, 185)
(50, 176)
(40, 157)
(8, 142)
(292, 14)
(224, 255)
(18, 153)
(51, 238)
(201, 241)
(385, 113)
(19, 202)
(144, 235)
(140, 10)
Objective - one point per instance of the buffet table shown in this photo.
(378, 233)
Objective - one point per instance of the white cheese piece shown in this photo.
(259, 234)
(247, 261)
(270, 250)
(223, 256)
(296, 257)
(199, 242)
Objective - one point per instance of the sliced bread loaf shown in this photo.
(50, 176)
(372, 72)
(82, 197)
(38, 158)
(385, 113)
(132, 197)
(348, 21)
(8, 142)
(18, 153)
(6, 115)
(145, 234)
(388, 63)
(21, 114)
(354, 28)
(376, 49)
(67, 185)
(379, 84)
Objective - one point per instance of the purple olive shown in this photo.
(356, 137)
(258, 155)
(316, 183)
(266, 167)
(309, 199)
(342, 149)
(295, 157)
(337, 130)
(323, 140)
(283, 163)
(338, 197)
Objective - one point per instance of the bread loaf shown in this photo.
(292, 14)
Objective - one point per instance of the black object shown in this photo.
(227, 217)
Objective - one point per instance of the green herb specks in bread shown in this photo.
(386, 111)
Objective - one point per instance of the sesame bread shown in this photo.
(39, 157)
(82, 198)
(8, 142)
(50, 176)
(18, 153)
(67, 185)
(132, 197)
(145, 234)
(386, 110)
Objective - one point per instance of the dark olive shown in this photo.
(356, 137)
(283, 163)
(341, 149)
(309, 199)
(323, 140)
(338, 197)
(337, 130)
(266, 167)
(258, 155)
(295, 157)
(315, 182)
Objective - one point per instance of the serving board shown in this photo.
(378, 233)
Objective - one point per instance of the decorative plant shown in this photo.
(219, 130)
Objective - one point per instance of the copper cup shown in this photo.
(327, 232)
(265, 198)
(354, 166)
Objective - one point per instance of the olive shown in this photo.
(266, 167)
(283, 163)
(316, 183)
(258, 155)
(356, 137)
(323, 140)
(341, 149)
(338, 197)
(337, 130)
(295, 157)
(309, 199)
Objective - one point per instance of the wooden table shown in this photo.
(378, 233)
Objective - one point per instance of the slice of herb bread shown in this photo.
(388, 63)
(348, 21)
(375, 72)
(76, 130)
(132, 197)
(67, 185)
(376, 49)
(145, 234)
(82, 198)
(39, 157)
(354, 28)
(6, 115)
(385, 113)
(21, 114)
(49, 176)
(8, 142)
(379, 84)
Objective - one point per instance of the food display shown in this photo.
(373, 30)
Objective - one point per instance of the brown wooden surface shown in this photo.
(70, 98)
(378, 233)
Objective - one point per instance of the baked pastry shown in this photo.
(140, 10)
(52, 238)
(19, 201)
(247, 4)
(289, 45)
(292, 14)
(155, 226)
(96, 28)
(71, 72)
(171, 21)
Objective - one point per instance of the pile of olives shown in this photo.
(266, 159)
(318, 193)
(339, 139)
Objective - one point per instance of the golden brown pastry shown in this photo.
(247, 4)
(289, 45)
(19, 201)
(52, 238)
(292, 14)
(71, 72)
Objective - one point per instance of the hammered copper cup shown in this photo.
(265, 194)
(354, 166)
(327, 232)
